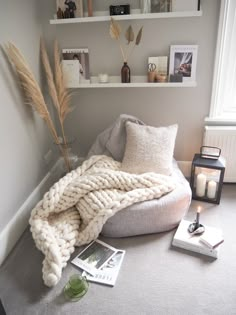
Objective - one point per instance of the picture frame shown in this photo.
(81, 56)
(76, 10)
(183, 61)
(158, 6)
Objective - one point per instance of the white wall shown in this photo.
(24, 138)
(97, 108)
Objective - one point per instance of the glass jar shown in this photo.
(76, 288)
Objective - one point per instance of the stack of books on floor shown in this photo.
(208, 243)
(100, 262)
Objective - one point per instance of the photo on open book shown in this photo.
(109, 272)
(94, 256)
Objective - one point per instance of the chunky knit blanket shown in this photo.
(74, 210)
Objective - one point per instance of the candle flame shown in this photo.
(199, 209)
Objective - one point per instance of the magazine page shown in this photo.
(94, 256)
(81, 57)
(109, 273)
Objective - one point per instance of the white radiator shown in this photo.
(224, 137)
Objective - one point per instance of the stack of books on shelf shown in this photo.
(208, 243)
(100, 262)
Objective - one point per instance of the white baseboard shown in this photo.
(14, 229)
(17, 225)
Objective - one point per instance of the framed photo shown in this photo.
(183, 61)
(69, 9)
(161, 6)
(81, 57)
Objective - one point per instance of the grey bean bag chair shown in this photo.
(154, 216)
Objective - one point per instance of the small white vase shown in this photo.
(145, 6)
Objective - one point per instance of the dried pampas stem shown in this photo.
(34, 96)
(61, 106)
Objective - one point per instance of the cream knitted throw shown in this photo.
(74, 210)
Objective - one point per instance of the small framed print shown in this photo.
(183, 61)
(160, 6)
(67, 9)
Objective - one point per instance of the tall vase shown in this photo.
(125, 73)
(90, 7)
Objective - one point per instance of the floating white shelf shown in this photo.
(136, 81)
(101, 16)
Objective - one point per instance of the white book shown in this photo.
(71, 73)
(185, 240)
(212, 238)
(109, 273)
(94, 256)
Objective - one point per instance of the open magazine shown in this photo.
(109, 272)
(94, 256)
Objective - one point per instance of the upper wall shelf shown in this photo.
(101, 16)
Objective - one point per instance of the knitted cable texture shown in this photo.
(73, 212)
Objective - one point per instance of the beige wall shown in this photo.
(24, 139)
(23, 136)
(97, 108)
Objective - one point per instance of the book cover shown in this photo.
(94, 256)
(81, 57)
(185, 240)
(212, 238)
(71, 73)
(109, 272)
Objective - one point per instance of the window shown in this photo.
(223, 101)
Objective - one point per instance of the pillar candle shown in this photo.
(201, 185)
(211, 189)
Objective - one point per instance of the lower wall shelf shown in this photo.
(136, 81)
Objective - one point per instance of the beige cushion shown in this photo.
(149, 149)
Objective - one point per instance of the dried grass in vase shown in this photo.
(34, 96)
(115, 33)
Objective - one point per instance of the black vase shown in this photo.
(125, 73)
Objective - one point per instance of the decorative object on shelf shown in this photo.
(185, 5)
(183, 60)
(120, 9)
(125, 73)
(76, 287)
(34, 96)
(196, 228)
(207, 177)
(208, 152)
(67, 9)
(77, 60)
(103, 78)
(161, 6)
(176, 77)
(145, 6)
(152, 72)
(158, 70)
(115, 32)
(90, 7)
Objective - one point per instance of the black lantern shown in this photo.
(207, 177)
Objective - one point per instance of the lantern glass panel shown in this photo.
(206, 182)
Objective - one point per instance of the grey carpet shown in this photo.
(154, 278)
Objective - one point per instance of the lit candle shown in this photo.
(211, 189)
(198, 215)
(201, 185)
